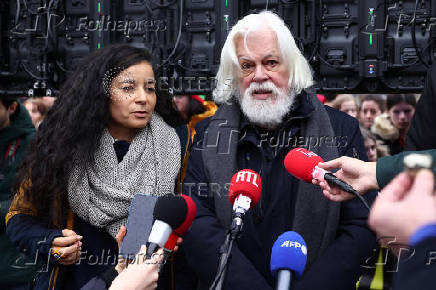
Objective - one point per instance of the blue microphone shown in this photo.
(288, 258)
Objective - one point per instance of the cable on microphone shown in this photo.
(303, 164)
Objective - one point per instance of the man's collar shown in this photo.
(301, 108)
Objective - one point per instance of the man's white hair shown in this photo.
(300, 74)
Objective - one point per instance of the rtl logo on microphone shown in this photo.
(247, 176)
(296, 245)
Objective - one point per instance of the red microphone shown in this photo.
(245, 182)
(184, 227)
(303, 164)
(244, 193)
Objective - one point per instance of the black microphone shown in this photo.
(169, 213)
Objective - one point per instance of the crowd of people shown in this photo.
(384, 120)
(71, 164)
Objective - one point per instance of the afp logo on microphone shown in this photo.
(296, 245)
(289, 252)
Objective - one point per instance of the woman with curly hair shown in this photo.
(100, 144)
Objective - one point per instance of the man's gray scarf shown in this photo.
(316, 219)
(101, 193)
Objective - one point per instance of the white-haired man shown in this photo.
(266, 110)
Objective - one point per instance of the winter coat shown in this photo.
(337, 266)
(422, 132)
(385, 132)
(15, 267)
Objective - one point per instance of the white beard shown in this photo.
(265, 113)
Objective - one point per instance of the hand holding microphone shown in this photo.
(359, 174)
(173, 216)
(303, 164)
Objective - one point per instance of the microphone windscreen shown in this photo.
(192, 211)
(300, 163)
(184, 227)
(171, 209)
(289, 252)
(248, 183)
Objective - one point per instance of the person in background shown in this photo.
(188, 106)
(100, 144)
(346, 103)
(374, 148)
(38, 108)
(321, 98)
(16, 132)
(193, 110)
(329, 98)
(370, 107)
(392, 127)
(422, 133)
(33, 111)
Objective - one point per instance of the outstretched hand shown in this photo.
(359, 174)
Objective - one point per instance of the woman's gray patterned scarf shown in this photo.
(101, 193)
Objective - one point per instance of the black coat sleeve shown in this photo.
(96, 283)
(101, 282)
(31, 237)
(418, 271)
(422, 135)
